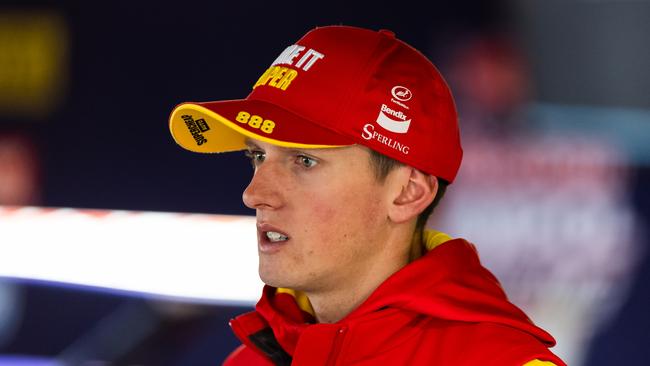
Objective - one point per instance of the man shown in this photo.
(353, 137)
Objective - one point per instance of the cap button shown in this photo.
(387, 32)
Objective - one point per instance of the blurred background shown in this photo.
(119, 248)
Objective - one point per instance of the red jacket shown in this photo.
(444, 308)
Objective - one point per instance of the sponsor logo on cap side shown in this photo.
(393, 125)
(369, 133)
(401, 93)
(391, 120)
(196, 128)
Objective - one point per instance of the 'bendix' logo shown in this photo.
(393, 125)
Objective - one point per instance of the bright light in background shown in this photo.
(202, 257)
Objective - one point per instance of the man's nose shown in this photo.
(262, 191)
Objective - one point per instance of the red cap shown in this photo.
(337, 86)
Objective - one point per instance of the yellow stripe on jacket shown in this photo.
(539, 363)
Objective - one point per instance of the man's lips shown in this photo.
(265, 245)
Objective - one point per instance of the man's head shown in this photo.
(371, 110)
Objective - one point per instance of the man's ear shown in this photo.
(415, 196)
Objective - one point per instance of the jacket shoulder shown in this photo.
(488, 344)
(243, 355)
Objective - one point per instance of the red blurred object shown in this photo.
(19, 171)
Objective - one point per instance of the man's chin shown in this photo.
(275, 279)
(278, 284)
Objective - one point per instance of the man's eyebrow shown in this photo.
(299, 151)
(250, 143)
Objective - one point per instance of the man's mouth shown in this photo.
(275, 237)
(271, 239)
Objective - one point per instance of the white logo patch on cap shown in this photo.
(400, 125)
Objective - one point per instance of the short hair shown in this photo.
(383, 165)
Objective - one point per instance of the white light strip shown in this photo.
(203, 257)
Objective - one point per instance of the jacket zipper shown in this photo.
(336, 348)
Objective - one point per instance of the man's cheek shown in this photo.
(323, 211)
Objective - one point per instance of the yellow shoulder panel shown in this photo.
(433, 238)
(539, 363)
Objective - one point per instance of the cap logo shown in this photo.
(280, 77)
(305, 61)
(391, 120)
(196, 128)
(401, 93)
(400, 125)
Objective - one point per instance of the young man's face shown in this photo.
(321, 214)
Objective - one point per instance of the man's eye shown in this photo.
(306, 161)
(255, 156)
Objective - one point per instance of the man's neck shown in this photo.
(335, 304)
